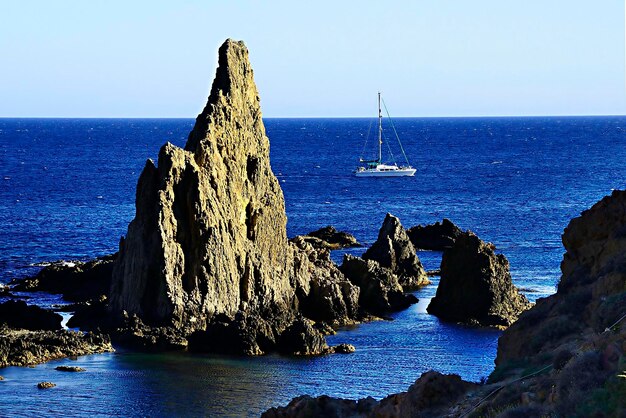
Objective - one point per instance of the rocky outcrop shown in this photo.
(393, 250)
(562, 357)
(17, 314)
(337, 239)
(207, 252)
(380, 290)
(23, 347)
(436, 237)
(77, 281)
(329, 297)
(591, 294)
(71, 369)
(476, 285)
(430, 396)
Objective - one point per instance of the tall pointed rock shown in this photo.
(209, 234)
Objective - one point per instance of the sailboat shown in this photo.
(376, 168)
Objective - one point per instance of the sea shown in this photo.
(67, 192)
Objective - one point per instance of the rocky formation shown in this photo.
(437, 237)
(562, 357)
(72, 369)
(23, 347)
(393, 250)
(207, 253)
(429, 396)
(476, 285)
(45, 385)
(77, 281)
(336, 239)
(31, 335)
(591, 294)
(380, 290)
(17, 314)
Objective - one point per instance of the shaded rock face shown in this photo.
(591, 293)
(393, 250)
(476, 285)
(302, 339)
(77, 281)
(437, 237)
(329, 296)
(337, 239)
(430, 396)
(380, 291)
(17, 314)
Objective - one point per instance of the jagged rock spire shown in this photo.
(209, 235)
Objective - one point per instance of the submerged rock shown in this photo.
(393, 250)
(437, 236)
(476, 285)
(380, 290)
(17, 314)
(337, 239)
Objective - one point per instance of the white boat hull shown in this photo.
(400, 172)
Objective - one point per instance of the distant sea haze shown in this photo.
(67, 190)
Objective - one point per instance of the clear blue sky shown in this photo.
(322, 58)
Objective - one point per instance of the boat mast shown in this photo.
(380, 132)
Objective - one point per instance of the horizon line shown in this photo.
(329, 117)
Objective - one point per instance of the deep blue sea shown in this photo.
(67, 189)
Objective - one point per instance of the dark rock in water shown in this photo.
(380, 291)
(323, 406)
(393, 250)
(77, 281)
(339, 239)
(133, 333)
(17, 314)
(69, 369)
(207, 254)
(344, 348)
(330, 297)
(430, 396)
(302, 339)
(45, 385)
(246, 334)
(23, 348)
(437, 237)
(476, 285)
(91, 315)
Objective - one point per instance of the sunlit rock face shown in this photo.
(208, 243)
